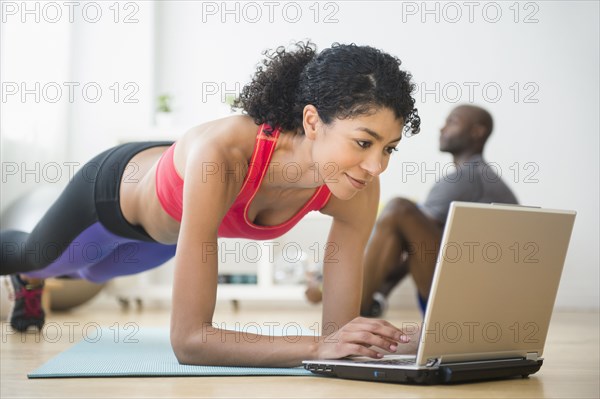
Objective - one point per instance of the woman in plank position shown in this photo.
(337, 116)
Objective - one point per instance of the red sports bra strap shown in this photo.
(259, 163)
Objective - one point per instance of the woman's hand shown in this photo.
(362, 337)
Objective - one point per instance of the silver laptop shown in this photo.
(491, 300)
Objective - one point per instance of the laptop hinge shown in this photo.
(532, 356)
(432, 361)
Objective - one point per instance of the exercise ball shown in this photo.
(23, 214)
(4, 300)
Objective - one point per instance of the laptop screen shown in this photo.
(495, 282)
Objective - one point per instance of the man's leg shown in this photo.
(404, 240)
(383, 256)
(395, 276)
(424, 236)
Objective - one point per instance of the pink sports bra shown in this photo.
(235, 224)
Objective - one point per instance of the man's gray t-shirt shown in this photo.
(472, 181)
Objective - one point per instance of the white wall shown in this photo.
(33, 112)
(187, 47)
(117, 57)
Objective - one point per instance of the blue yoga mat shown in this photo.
(148, 353)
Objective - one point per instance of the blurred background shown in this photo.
(79, 77)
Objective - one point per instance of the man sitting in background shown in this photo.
(406, 237)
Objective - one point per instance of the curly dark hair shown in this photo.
(342, 81)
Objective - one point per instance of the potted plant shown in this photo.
(164, 109)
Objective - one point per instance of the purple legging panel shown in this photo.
(98, 255)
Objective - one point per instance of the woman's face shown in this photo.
(350, 153)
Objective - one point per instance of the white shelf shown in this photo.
(225, 292)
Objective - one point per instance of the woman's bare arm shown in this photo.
(342, 279)
(193, 337)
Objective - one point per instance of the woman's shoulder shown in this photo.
(231, 132)
(228, 140)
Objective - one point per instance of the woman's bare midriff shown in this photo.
(138, 199)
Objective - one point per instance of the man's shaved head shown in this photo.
(467, 129)
(479, 116)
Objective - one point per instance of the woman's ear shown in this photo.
(310, 121)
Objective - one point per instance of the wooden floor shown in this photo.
(570, 370)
